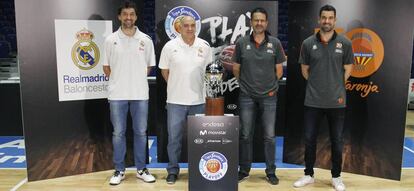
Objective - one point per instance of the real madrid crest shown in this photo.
(85, 53)
(200, 52)
(141, 45)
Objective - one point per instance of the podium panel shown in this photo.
(213, 153)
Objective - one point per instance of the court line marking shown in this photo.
(19, 184)
(409, 149)
(410, 139)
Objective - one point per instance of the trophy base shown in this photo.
(215, 106)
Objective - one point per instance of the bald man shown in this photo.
(183, 61)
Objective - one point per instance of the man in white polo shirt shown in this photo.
(129, 58)
(183, 62)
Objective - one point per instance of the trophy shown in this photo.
(213, 81)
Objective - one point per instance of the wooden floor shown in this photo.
(11, 179)
(99, 181)
(409, 124)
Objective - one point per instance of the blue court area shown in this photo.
(12, 154)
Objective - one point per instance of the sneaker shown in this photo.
(145, 176)
(171, 178)
(272, 179)
(305, 180)
(338, 184)
(243, 176)
(117, 177)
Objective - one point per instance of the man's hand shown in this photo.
(107, 70)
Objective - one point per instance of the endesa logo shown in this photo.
(212, 124)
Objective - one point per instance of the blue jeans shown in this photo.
(139, 115)
(267, 108)
(336, 118)
(177, 120)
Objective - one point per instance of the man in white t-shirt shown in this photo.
(128, 61)
(183, 62)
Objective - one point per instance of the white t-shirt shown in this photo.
(186, 65)
(128, 58)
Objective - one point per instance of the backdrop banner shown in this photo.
(65, 138)
(79, 53)
(220, 23)
(376, 91)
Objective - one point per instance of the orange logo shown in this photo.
(341, 100)
(213, 165)
(368, 52)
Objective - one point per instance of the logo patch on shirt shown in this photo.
(248, 47)
(269, 51)
(269, 45)
(141, 46)
(341, 100)
(338, 51)
(200, 52)
(338, 45)
(314, 47)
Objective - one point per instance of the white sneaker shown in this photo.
(305, 180)
(338, 184)
(145, 175)
(117, 177)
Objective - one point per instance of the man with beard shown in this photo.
(129, 58)
(258, 67)
(326, 60)
(183, 63)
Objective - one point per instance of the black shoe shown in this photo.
(272, 178)
(171, 178)
(243, 176)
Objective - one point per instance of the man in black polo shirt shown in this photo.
(257, 66)
(326, 60)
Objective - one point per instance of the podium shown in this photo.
(213, 153)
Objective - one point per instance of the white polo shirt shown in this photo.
(187, 65)
(128, 58)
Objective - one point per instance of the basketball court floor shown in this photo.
(13, 173)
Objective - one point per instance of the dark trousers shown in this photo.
(267, 108)
(335, 117)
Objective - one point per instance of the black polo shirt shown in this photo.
(326, 60)
(258, 65)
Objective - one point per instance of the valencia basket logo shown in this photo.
(368, 51)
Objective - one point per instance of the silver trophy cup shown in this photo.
(213, 81)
